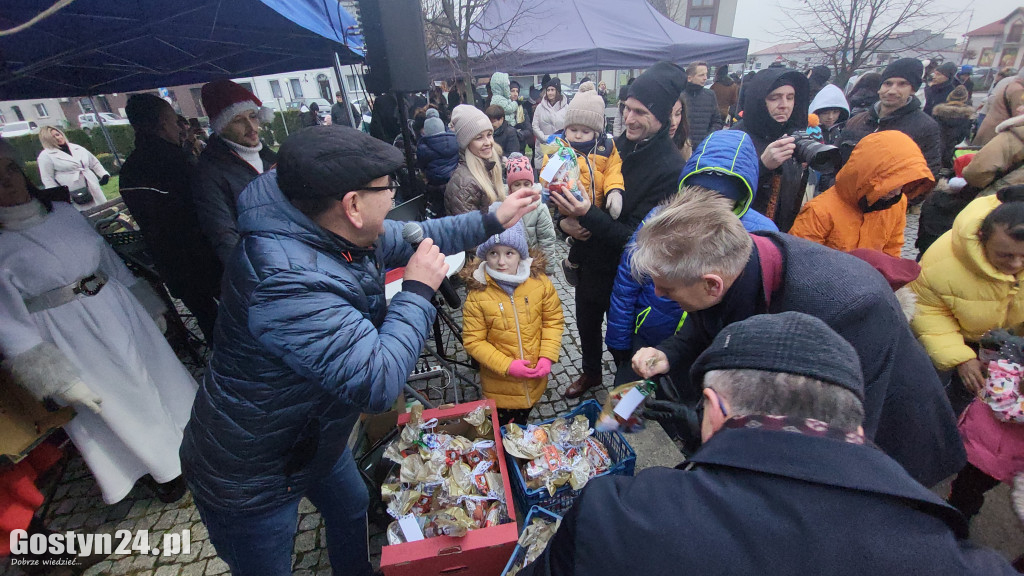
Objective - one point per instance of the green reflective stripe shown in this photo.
(681, 320)
(736, 155)
(640, 319)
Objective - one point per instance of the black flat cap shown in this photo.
(322, 161)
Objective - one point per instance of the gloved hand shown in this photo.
(613, 202)
(104, 179)
(520, 369)
(621, 356)
(79, 394)
(543, 368)
(680, 415)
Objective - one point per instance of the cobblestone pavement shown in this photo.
(77, 504)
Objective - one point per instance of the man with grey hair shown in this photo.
(702, 114)
(786, 483)
(697, 253)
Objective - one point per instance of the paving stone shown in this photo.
(101, 569)
(303, 573)
(144, 562)
(199, 532)
(306, 507)
(305, 541)
(195, 569)
(309, 521)
(309, 560)
(123, 565)
(172, 570)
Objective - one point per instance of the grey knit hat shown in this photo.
(468, 122)
(433, 124)
(514, 237)
(586, 109)
(788, 342)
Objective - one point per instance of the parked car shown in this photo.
(982, 78)
(324, 105)
(13, 129)
(89, 121)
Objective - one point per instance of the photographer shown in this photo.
(775, 104)
(867, 207)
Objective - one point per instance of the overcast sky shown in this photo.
(753, 19)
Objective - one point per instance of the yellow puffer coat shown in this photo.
(498, 329)
(960, 294)
(605, 163)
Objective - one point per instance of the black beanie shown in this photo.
(947, 69)
(328, 161)
(910, 69)
(820, 75)
(658, 88)
(555, 82)
(788, 342)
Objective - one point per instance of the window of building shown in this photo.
(275, 88)
(41, 110)
(757, 66)
(17, 112)
(702, 23)
(352, 83)
(1015, 32)
(702, 2)
(197, 99)
(296, 87)
(247, 86)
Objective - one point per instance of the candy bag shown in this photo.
(562, 169)
(621, 409)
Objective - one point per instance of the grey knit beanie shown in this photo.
(586, 109)
(468, 122)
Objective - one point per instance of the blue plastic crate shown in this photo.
(622, 455)
(519, 552)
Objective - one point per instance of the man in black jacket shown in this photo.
(698, 254)
(651, 164)
(155, 187)
(702, 114)
(339, 117)
(233, 158)
(787, 482)
(898, 109)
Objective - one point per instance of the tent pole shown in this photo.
(106, 135)
(344, 91)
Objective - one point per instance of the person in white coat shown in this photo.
(77, 327)
(548, 117)
(62, 163)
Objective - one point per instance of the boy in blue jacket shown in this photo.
(725, 162)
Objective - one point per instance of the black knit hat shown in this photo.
(788, 342)
(554, 82)
(910, 69)
(658, 88)
(324, 161)
(820, 75)
(947, 69)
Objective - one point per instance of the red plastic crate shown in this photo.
(481, 552)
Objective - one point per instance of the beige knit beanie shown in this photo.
(586, 109)
(468, 122)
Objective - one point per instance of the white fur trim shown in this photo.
(43, 370)
(956, 183)
(1011, 122)
(221, 120)
(908, 302)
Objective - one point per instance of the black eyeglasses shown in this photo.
(393, 184)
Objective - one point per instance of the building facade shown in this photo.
(997, 44)
(921, 44)
(715, 16)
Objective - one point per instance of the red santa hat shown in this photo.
(223, 100)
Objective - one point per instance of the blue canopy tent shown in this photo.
(537, 36)
(104, 46)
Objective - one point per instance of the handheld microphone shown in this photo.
(413, 234)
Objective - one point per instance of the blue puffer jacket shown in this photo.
(304, 342)
(438, 156)
(635, 309)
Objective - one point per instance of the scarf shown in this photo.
(805, 426)
(250, 154)
(22, 216)
(507, 282)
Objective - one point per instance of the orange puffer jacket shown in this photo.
(881, 163)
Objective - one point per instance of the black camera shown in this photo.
(820, 157)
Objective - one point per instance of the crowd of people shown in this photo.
(797, 351)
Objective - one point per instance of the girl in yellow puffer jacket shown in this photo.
(512, 323)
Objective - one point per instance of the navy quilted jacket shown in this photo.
(304, 342)
(437, 156)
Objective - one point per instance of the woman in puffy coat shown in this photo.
(548, 116)
(476, 182)
(514, 340)
(955, 117)
(62, 163)
(867, 207)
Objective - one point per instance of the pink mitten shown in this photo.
(520, 369)
(542, 369)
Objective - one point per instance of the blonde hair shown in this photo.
(489, 181)
(694, 234)
(47, 139)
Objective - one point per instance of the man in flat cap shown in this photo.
(305, 341)
(786, 482)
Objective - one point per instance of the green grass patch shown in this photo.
(111, 190)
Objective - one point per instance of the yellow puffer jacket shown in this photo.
(498, 329)
(605, 163)
(960, 294)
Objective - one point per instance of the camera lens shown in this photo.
(820, 157)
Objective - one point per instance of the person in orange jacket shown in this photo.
(867, 207)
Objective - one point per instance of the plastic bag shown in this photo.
(562, 169)
(621, 411)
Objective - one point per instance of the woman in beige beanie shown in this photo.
(476, 183)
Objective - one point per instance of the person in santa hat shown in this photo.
(233, 158)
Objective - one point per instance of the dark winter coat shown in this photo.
(909, 119)
(906, 410)
(219, 179)
(155, 187)
(779, 192)
(766, 503)
(650, 171)
(507, 138)
(702, 114)
(340, 118)
(955, 123)
(937, 94)
(437, 156)
(304, 342)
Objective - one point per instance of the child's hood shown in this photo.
(500, 85)
(473, 282)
